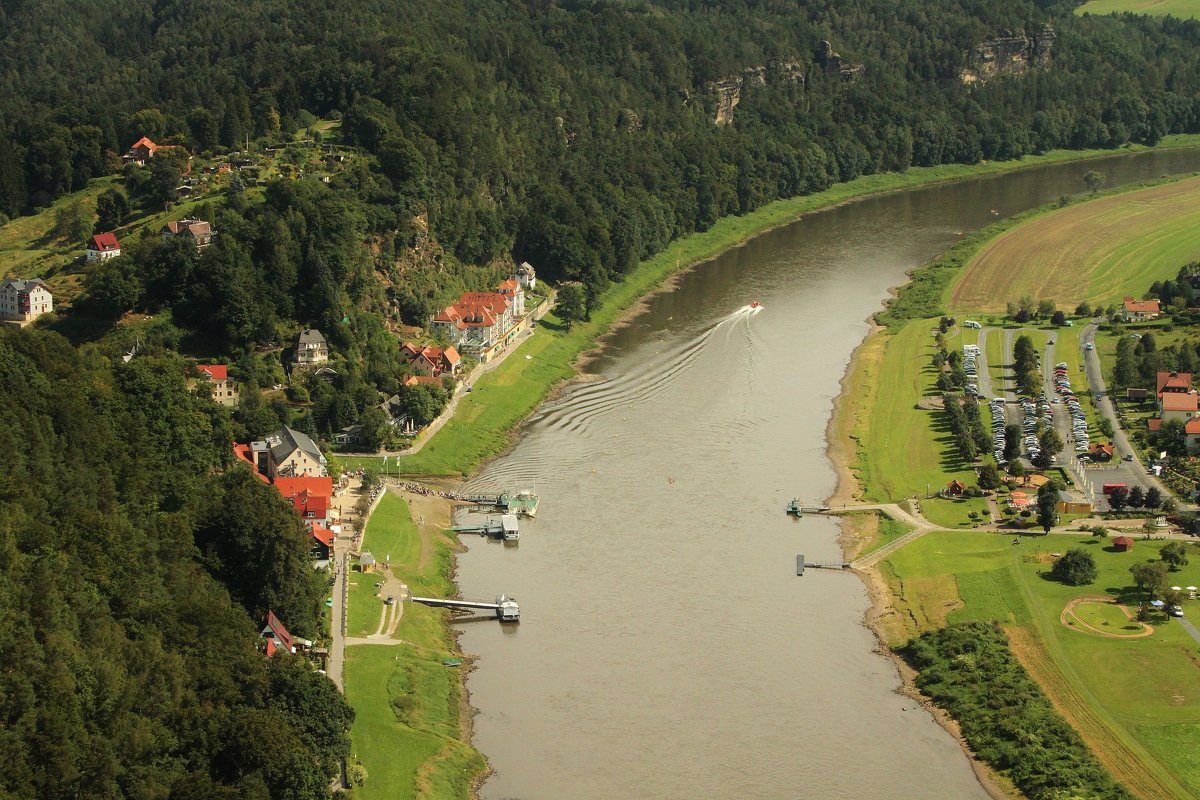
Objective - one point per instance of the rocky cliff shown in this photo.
(728, 91)
(832, 65)
(1009, 53)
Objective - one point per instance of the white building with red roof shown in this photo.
(224, 390)
(140, 151)
(481, 324)
(1140, 310)
(102, 247)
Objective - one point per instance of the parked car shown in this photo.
(1175, 611)
(389, 600)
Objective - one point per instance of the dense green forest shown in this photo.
(134, 585)
(577, 135)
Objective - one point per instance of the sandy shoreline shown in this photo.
(842, 451)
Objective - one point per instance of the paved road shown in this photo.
(1190, 628)
(1132, 473)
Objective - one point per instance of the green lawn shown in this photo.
(903, 450)
(1143, 689)
(1178, 8)
(406, 733)
(955, 513)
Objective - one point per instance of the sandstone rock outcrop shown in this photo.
(728, 91)
(832, 65)
(1009, 53)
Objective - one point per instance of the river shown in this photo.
(667, 648)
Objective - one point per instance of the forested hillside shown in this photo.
(578, 135)
(128, 669)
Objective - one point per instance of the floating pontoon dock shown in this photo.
(505, 607)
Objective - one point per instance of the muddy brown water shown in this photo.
(666, 647)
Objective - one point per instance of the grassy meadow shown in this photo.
(1099, 251)
(1133, 699)
(1187, 9)
(407, 731)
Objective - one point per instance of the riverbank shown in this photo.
(502, 399)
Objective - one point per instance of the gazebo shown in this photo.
(1122, 544)
(955, 488)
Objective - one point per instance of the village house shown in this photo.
(1070, 504)
(288, 453)
(1101, 452)
(224, 389)
(1171, 383)
(25, 301)
(140, 152)
(323, 540)
(1179, 406)
(431, 361)
(310, 496)
(311, 348)
(396, 418)
(199, 232)
(515, 294)
(525, 275)
(276, 636)
(102, 247)
(1140, 310)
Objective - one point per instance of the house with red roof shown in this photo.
(1191, 436)
(1176, 405)
(246, 454)
(311, 497)
(431, 361)
(481, 324)
(196, 231)
(418, 380)
(102, 247)
(1101, 452)
(277, 636)
(140, 152)
(1140, 310)
(322, 541)
(216, 376)
(515, 292)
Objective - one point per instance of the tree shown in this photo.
(1012, 443)
(73, 221)
(1174, 555)
(1149, 576)
(1045, 308)
(1017, 469)
(112, 207)
(1118, 498)
(422, 403)
(1084, 309)
(1093, 180)
(1137, 497)
(1075, 568)
(569, 305)
(1050, 442)
(1153, 498)
(1058, 318)
(1047, 500)
(989, 476)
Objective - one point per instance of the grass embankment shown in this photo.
(1101, 250)
(1132, 699)
(408, 731)
(864, 532)
(1186, 9)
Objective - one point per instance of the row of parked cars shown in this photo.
(1079, 429)
(971, 367)
(1034, 413)
(998, 422)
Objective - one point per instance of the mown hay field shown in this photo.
(1176, 8)
(1099, 251)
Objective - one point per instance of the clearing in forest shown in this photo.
(1099, 251)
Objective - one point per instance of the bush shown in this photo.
(1076, 568)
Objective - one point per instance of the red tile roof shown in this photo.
(146, 143)
(278, 634)
(1179, 401)
(1100, 448)
(1123, 541)
(1141, 306)
(242, 453)
(215, 372)
(1172, 381)
(322, 534)
(475, 310)
(1192, 426)
(436, 358)
(509, 286)
(105, 242)
(413, 380)
(310, 496)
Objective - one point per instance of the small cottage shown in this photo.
(1122, 544)
(102, 247)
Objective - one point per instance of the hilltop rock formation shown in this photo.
(1009, 53)
(832, 65)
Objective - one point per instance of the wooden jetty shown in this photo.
(801, 564)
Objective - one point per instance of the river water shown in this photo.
(667, 648)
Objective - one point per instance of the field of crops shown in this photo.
(1178, 8)
(1100, 251)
